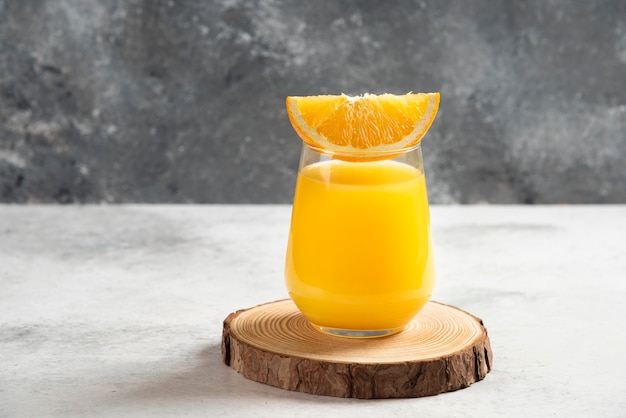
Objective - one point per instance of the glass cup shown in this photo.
(359, 258)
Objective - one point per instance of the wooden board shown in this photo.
(443, 349)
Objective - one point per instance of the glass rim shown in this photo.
(364, 154)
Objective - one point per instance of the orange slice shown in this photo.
(363, 126)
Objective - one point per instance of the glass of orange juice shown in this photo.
(359, 257)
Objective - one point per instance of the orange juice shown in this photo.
(359, 256)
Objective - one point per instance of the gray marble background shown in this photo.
(183, 101)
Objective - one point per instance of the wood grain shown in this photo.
(443, 349)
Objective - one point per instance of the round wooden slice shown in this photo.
(443, 349)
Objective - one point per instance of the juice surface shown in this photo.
(359, 255)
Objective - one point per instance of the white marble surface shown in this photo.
(117, 310)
